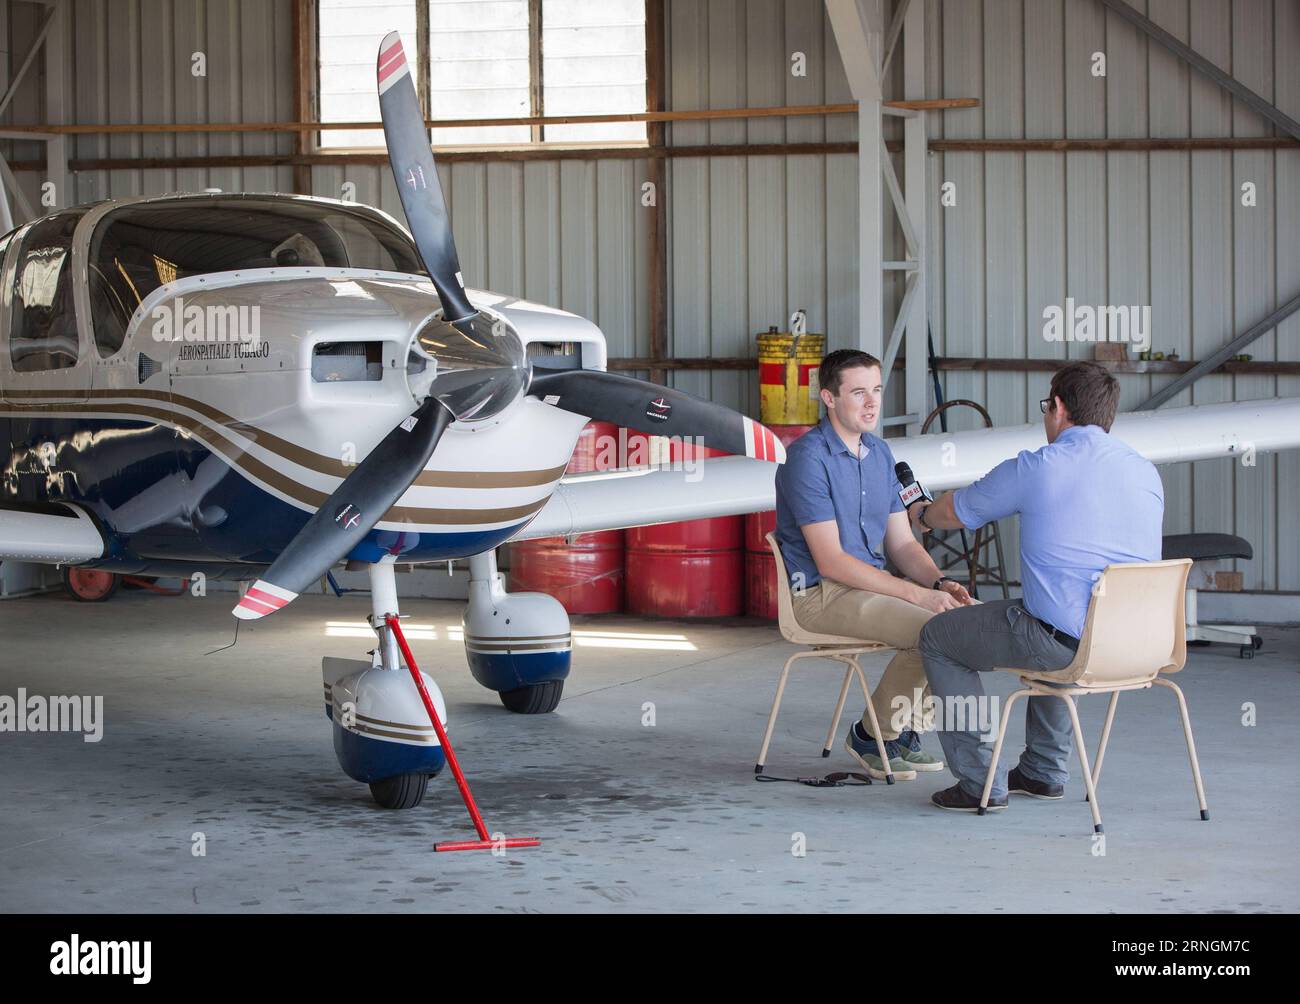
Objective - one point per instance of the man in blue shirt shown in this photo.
(838, 516)
(1086, 500)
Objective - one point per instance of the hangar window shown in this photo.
(43, 331)
(140, 247)
(489, 59)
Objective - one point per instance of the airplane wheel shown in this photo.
(537, 699)
(405, 791)
(89, 585)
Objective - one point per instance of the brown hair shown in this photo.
(1089, 392)
(828, 374)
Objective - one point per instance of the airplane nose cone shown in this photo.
(479, 366)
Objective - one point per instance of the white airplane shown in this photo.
(260, 387)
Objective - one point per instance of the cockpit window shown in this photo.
(43, 332)
(138, 248)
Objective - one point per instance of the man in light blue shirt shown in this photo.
(1086, 500)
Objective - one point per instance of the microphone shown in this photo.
(911, 492)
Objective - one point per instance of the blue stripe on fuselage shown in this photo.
(110, 464)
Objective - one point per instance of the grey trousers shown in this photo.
(956, 647)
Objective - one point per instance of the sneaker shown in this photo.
(957, 799)
(867, 753)
(909, 748)
(1021, 785)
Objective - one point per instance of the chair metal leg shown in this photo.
(1083, 762)
(862, 679)
(776, 706)
(875, 731)
(1191, 746)
(997, 749)
(839, 709)
(1105, 738)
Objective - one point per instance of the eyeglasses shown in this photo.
(1042, 405)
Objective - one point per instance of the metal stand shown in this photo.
(484, 841)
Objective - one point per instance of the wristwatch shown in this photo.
(938, 583)
(920, 518)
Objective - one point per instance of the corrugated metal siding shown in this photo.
(567, 233)
(1165, 229)
(130, 61)
(753, 238)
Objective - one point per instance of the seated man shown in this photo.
(838, 515)
(1086, 500)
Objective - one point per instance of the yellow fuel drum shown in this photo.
(787, 377)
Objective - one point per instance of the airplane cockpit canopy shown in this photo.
(141, 246)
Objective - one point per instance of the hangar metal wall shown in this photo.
(1163, 228)
(752, 238)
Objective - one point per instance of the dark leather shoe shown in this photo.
(956, 799)
(1021, 785)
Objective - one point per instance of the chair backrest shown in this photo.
(1135, 627)
(792, 630)
(784, 606)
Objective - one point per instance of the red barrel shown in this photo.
(596, 450)
(690, 569)
(760, 565)
(587, 575)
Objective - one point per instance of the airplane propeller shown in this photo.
(417, 179)
(351, 512)
(365, 495)
(607, 397)
(660, 411)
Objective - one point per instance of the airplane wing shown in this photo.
(729, 486)
(48, 533)
(612, 500)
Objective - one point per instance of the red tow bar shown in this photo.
(484, 841)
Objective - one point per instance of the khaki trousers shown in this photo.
(833, 608)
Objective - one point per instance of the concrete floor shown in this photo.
(667, 818)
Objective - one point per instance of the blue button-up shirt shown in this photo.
(820, 480)
(1085, 501)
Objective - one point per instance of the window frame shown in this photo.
(537, 143)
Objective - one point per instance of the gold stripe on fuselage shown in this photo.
(318, 462)
(310, 497)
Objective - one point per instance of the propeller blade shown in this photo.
(417, 178)
(647, 407)
(350, 512)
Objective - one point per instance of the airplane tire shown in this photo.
(89, 585)
(535, 699)
(405, 791)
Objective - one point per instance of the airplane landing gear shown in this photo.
(537, 699)
(517, 644)
(382, 733)
(405, 791)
